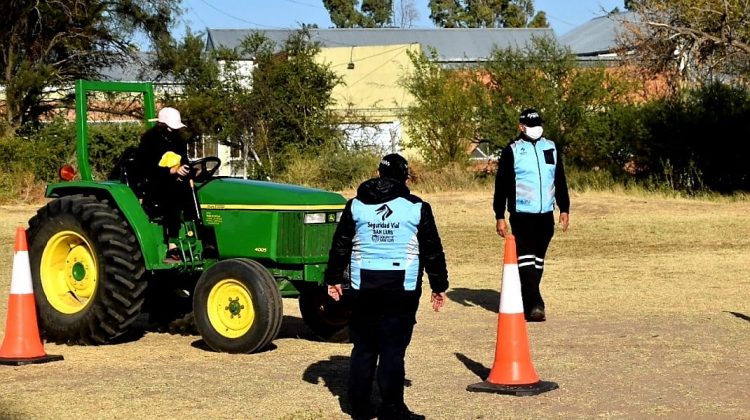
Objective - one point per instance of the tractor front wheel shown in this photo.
(237, 306)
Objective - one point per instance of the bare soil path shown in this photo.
(648, 304)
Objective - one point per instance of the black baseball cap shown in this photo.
(394, 166)
(530, 118)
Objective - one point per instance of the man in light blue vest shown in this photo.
(388, 238)
(531, 180)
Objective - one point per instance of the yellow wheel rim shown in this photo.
(230, 308)
(68, 272)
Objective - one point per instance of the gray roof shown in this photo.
(137, 69)
(451, 44)
(599, 35)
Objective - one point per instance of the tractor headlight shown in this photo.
(314, 218)
(338, 216)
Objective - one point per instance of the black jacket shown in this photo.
(505, 182)
(431, 255)
(154, 144)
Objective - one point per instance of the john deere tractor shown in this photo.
(97, 252)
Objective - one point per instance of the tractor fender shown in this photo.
(121, 197)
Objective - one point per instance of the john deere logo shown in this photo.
(384, 211)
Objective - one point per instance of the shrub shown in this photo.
(454, 177)
(334, 170)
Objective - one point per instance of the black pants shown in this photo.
(378, 342)
(533, 234)
(175, 199)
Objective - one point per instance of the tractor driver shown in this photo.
(163, 156)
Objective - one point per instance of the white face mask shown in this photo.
(534, 132)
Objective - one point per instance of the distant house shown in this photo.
(372, 62)
(597, 40)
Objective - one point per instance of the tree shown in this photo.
(405, 13)
(442, 122)
(291, 99)
(210, 84)
(47, 45)
(575, 103)
(279, 108)
(692, 41)
(372, 14)
(486, 14)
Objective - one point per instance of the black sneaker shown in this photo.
(366, 414)
(536, 315)
(398, 413)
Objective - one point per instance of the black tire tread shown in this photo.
(266, 299)
(120, 292)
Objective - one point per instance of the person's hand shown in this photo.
(438, 301)
(564, 221)
(501, 227)
(181, 170)
(334, 291)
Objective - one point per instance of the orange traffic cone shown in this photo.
(512, 373)
(22, 344)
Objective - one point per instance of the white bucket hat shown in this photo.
(170, 117)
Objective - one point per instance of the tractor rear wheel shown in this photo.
(327, 318)
(87, 271)
(237, 306)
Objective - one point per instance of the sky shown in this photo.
(563, 15)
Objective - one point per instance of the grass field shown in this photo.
(648, 307)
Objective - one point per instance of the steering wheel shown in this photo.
(202, 170)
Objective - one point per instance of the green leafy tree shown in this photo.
(47, 45)
(268, 101)
(442, 122)
(371, 14)
(210, 85)
(575, 102)
(486, 14)
(289, 106)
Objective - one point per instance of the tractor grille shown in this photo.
(311, 242)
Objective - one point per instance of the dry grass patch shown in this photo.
(648, 316)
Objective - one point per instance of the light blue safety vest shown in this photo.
(385, 249)
(534, 165)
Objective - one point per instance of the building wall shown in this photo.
(372, 86)
(371, 95)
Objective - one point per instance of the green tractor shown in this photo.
(97, 253)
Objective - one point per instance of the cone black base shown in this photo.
(31, 361)
(517, 390)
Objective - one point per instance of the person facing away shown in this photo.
(530, 181)
(388, 238)
(163, 154)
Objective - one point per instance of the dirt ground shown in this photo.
(648, 316)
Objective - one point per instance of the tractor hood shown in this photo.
(242, 194)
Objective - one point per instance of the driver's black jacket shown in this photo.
(169, 192)
(380, 296)
(155, 143)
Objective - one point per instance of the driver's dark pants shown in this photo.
(379, 342)
(533, 233)
(175, 198)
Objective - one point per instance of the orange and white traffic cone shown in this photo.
(22, 344)
(512, 372)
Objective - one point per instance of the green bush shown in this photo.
(34, 156)
(696, 141)
(107, 142)
(335, 170)
(454, 177)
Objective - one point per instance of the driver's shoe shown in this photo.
(173, 256)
